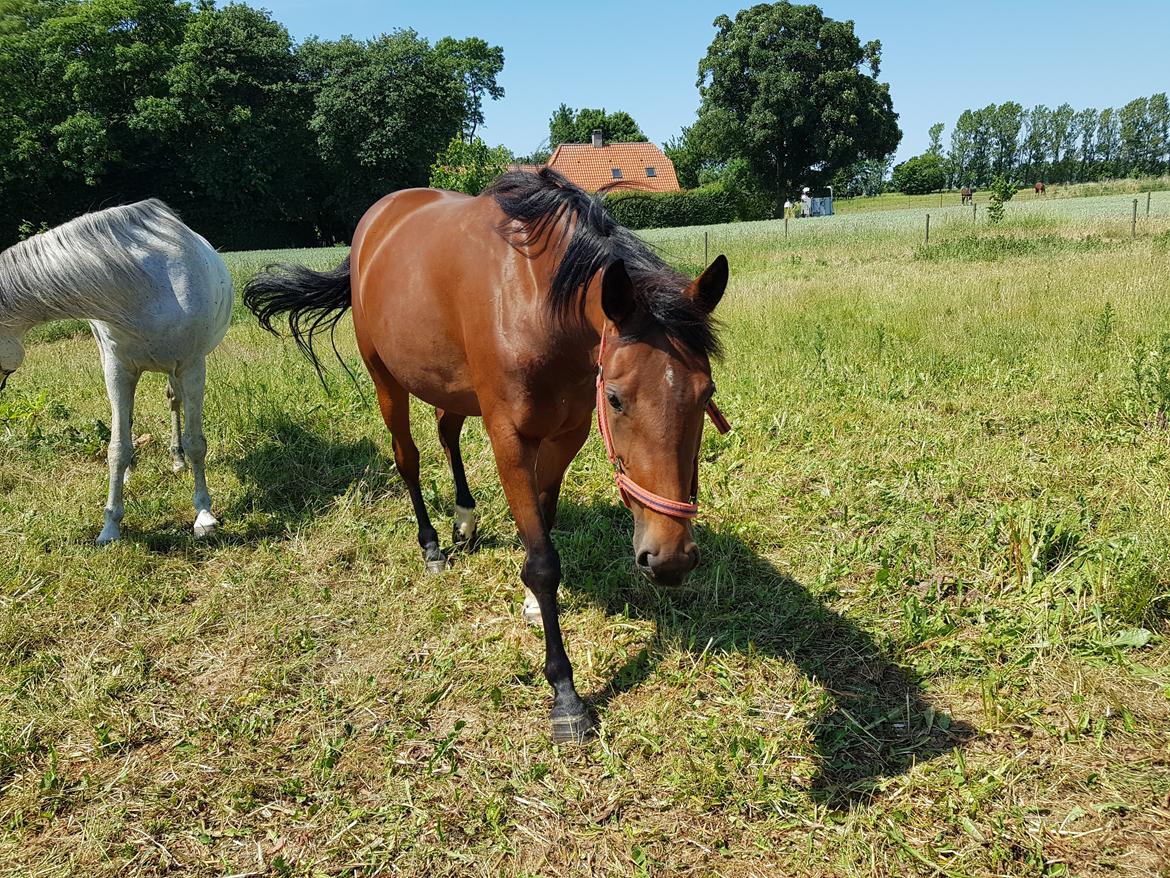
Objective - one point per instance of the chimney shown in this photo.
(597, 138)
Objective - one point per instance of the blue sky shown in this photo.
(939, 57)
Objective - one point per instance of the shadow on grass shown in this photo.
(294, 475)
(880, 722)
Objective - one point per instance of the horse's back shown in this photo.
(182, 307)
(428, 270)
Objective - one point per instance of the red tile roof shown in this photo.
(531, 169)
(592, 167)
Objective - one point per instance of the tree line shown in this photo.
(258, 140)
(1049, 145)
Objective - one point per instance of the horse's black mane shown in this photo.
(539, 202)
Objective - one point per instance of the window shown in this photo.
(651, 172)
(617, 173)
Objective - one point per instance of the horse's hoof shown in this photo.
(466, 525)
(574, 729)
(435, 560)
(177, 466)
(205, 525)
(104, 538)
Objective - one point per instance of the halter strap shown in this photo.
(627, 487)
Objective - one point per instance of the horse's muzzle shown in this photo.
(668, 569)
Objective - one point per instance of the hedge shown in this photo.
(706, 206)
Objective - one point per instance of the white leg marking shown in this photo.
(466, 523)
(532, 609)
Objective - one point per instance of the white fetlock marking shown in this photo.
(466, 522)
(205, 524)
(126, 476)
(178, 465)
(531, 610)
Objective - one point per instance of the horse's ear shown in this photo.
(617, 293)
(708, 287)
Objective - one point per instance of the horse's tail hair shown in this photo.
(314, 301)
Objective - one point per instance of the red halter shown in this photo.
(627, 486)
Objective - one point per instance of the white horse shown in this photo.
(159, 299)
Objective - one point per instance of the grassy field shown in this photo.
(1135, 188)
(929, 635)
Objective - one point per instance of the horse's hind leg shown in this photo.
(395, 405)
(175, 398)
(192, 381)
(466, 521)
(121, 382)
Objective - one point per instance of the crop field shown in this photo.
(1135, 188)
(928, 636)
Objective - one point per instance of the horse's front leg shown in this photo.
(121, 383)
(516, 458)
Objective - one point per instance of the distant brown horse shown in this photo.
(526, 305)
(966, 194)
(1039, 189)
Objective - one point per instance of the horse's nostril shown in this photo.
(643, 559)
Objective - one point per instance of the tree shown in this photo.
(382, 111)
(688, 155)
(238, 123)
(1108, 143)
(864, 177)
(783, 86)
(1005, 122)
(919, 175)
(1159, 118)
(477, 64)
(1085, 128)
(577, 126)
(936, 131)
(1062, 140)
(1036, 139)
(1134, 126)
(961, 155)
(468, 167)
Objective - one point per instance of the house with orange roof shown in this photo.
(632, 165)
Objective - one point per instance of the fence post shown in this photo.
(928, 228)
(974, 207)
(1148, 194)
(785, 227)
(1134, 218)
(704, 248)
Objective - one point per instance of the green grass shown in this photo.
(929, 635)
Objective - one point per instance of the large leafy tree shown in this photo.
(477, 64)
(382, 111)
(796, 94)
(919, 175)
(577, 126)
(237, 120)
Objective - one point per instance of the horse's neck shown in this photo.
(25, 312)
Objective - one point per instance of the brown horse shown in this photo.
(1039, 189)
(966, 194)
(511, 306)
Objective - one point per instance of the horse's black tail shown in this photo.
(313, 300)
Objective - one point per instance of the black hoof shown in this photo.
(435, 560)
(575, 729)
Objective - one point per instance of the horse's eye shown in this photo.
(614, 400)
